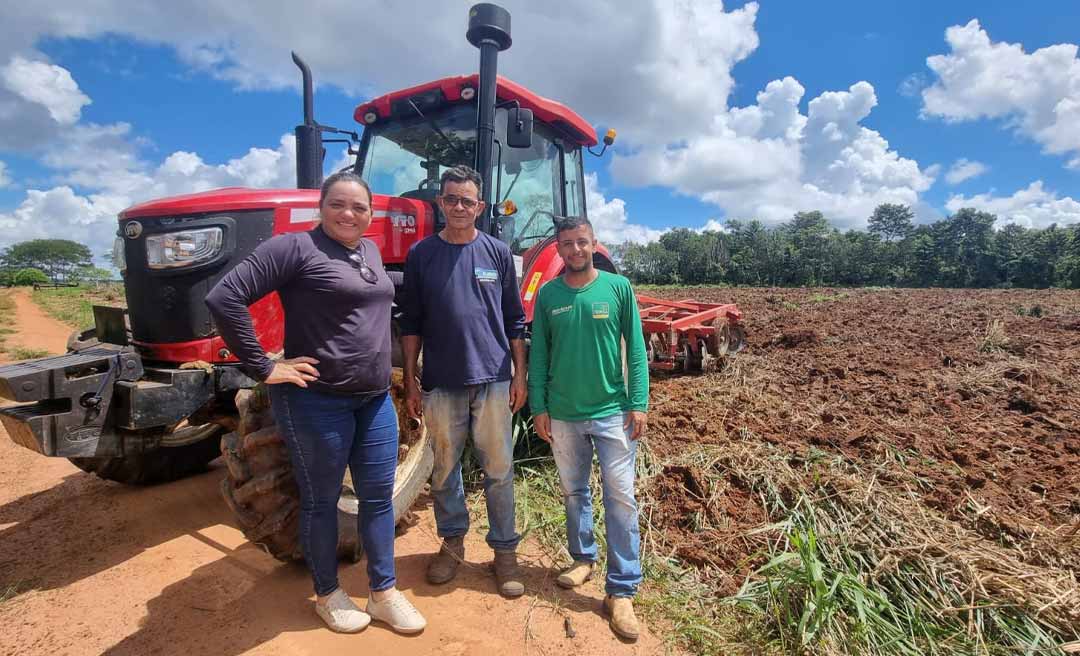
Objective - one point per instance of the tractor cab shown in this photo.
(411, 136)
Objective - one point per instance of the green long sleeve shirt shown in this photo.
(575, 359)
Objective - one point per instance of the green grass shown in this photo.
(75, 305)
(22, 353)
(859, 567)
(851, 566)
(7, 316)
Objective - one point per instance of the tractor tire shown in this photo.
(261, 491)
(159, 466)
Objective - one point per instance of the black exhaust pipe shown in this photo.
(489, 30)
(309, 148)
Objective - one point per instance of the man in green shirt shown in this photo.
(580, 402)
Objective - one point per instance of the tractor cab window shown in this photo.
(573, 181)
(530, 177)
(406, 158)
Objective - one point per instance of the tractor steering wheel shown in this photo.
(516, 244)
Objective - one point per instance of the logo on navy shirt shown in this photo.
(486, 275)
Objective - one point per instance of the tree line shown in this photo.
(962, 250)
(43, 261)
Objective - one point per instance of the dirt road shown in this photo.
(37, 330)
(92, 567)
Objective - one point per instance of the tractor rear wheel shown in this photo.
(159, 466)
(261, 491)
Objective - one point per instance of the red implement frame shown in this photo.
(688, 335)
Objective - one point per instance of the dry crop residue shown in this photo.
(974, 397)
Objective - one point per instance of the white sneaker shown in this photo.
(398, 612)
(341, 614)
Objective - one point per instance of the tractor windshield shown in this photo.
(406, 157)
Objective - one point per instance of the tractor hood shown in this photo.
(223, 200)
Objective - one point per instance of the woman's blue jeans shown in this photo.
(325, 433)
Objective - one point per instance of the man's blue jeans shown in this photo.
(482, 411)
(572, 443)
(325, 433)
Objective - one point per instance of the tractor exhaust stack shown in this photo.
(309, 147)
(489, 30)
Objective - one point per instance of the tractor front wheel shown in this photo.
(158, 466)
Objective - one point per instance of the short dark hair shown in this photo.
(342, 176)
(564, 223)
(460, 174)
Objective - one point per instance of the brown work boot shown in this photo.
(507, 575)
(444, 565)
(576, 574)
(622, 620)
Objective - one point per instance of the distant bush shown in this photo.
(27, 277)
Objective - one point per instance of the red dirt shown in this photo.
(875, 375)
(36, 330)
(91, 567)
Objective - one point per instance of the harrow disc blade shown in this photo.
(736, 339)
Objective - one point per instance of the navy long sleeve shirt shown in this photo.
(463, 301)
(331, 313)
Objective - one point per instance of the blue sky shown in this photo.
(158, 85)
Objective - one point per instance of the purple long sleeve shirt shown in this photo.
(331, 313)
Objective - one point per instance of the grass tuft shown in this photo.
(23, 353)
(75, 305)
(994, 338)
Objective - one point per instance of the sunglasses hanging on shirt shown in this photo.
(359, 262)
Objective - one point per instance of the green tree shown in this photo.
(807, 253)
(58, 258)
(891, 221)
(27, 277)
(650, 264)
(1067, 270)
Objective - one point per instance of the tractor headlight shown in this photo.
(173, 250)
(118, 258)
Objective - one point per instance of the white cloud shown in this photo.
(38, 100)
(913, 85)
(1032, 207)
(610, 219)
(1037, 94)
(964, 169)
(5, 178)
(652, 65)
(47, 85)
(103, 160)
(768, 160)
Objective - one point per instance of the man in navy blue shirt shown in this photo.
(460, 303)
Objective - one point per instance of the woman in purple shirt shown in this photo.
(330, 394)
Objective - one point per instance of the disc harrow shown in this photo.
(690, 336)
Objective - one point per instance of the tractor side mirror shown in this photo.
(519, 128)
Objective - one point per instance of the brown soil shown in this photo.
(91, 567)
(883, 375)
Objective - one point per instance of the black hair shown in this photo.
(562, 224)
(342, 176)
(460, 174)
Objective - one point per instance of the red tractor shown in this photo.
(148, 397)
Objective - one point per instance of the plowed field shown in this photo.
(975, 392)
